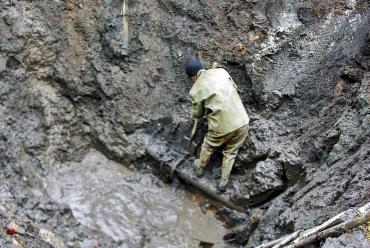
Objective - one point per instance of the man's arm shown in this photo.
(198, 109)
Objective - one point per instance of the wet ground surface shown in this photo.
(68, 83)
(137, 209)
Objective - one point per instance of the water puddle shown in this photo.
(135, 208)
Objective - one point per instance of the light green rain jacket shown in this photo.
(214, 93)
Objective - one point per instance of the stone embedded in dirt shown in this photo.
(355, 239)
(242, 232)
(70, 81)
(264, 180)
(51, 238)
(292, 163)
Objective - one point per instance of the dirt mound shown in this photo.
(76, 75)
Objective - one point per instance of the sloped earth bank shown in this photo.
(93, 77)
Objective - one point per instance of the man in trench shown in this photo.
(214, 95)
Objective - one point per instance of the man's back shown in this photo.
(216, 89)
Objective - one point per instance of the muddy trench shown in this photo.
(94, 109)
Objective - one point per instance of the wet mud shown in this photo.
(132, 208)
(86, 83)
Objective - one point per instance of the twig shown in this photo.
(364, 209)
(166, 5)
(335, 230)
(280, 241)
(287, 239)
(297, 239)
(319, 228)
(125, 37)
(123, 8)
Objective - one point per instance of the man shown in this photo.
(214, 94)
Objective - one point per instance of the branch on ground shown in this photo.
(331, 227)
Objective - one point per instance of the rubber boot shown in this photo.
(202, 162)
(199, 172)
(227, 166)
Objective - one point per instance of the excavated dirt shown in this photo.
(79, 76)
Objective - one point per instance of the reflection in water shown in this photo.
(134, 208)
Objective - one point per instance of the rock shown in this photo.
(51, 238)
(351, 240)
(115, 38)
(307, 15)
(260, 141)
(292, 163)
(79, 75)
(242, 232)
(265, 180)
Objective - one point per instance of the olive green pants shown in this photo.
(231, 141)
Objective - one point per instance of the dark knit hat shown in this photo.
(192, 67)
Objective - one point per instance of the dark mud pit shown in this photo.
(83, 81)
(106, 197)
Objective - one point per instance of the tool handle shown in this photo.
(194, 129)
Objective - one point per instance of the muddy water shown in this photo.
(135, 208)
